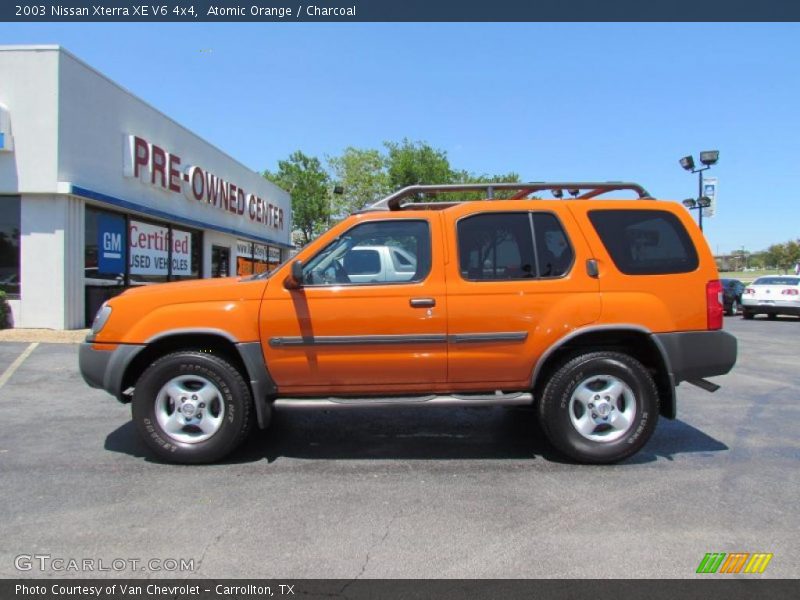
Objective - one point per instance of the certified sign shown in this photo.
(150, 248)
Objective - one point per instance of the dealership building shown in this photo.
(99, 191)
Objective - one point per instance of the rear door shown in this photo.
(517, 281)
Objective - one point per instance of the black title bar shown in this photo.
(397, 10)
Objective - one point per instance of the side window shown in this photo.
(496, 246)
(553, 251)
(358, 256)
(645, 242)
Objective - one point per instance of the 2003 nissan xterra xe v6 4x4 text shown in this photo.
(591, 310)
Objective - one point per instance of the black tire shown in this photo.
(585, 370)
(234, 407)
(734, 310)
(747, 314)
(772, 316)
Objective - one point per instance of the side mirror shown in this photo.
(295, 279)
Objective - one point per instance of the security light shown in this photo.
(689, 203)
(558, 193)
(338, 189)
(704, 201)
(574, 193)
(687, 162)
(709, 157)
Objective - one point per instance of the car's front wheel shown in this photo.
(192, 407)
(734, 309)
(599, 407)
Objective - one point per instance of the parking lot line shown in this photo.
(16, 364)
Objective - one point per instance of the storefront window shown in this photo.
(256, 258)
(105, 255)
(220, 261)
(260, 258)
(244, 258)
(9, 245)
(151, 252)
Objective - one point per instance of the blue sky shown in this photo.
(549, 101)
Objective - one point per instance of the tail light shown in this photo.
(714, 304)
(789, 292)
(749, 291)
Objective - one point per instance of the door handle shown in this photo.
(422, 302)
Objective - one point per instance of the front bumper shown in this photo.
(104, 369)
(697, 354)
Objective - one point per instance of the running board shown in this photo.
(498, 399)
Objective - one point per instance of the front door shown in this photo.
(370, 317)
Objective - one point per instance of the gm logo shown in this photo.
(112, 244)
(736, 562)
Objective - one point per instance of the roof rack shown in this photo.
(578, 190)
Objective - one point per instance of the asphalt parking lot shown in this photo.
(424, 493)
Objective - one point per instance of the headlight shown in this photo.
(100, 318)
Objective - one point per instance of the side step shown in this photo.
(496, 399)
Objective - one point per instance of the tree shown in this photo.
(413, 163)
(467, 177)
(363, 176)
(309, 185)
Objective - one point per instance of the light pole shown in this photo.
(708, 158)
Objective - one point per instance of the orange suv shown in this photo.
(591, 310)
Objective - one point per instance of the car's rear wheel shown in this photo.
(192, 407)
(748, 314)
(772, 316)
(734, 310)
(599, 407)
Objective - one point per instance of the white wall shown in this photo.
(29, 89)
(51, 244)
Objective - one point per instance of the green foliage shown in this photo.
(363, 175)
(366, 175)
(783, 256)
(309, 184)
(413, 163)
(5, 311)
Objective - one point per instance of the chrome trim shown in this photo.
(504, 336)
(361, 340)
(514, 399)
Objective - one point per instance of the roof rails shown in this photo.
(578, 190)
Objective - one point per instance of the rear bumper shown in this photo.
(697, 354)
(777, 307)
(104, 369)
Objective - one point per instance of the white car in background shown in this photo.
(772, 295)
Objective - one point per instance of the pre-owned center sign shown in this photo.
(155, 166)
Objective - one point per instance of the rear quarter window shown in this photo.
(645, 242)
